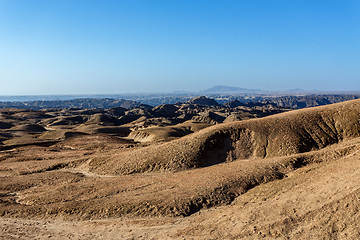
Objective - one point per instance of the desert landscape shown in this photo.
(193, 120)
(192, 170)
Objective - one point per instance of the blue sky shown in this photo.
(109, 47)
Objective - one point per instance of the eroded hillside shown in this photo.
(289, 175)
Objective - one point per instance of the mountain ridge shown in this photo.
(227, 89)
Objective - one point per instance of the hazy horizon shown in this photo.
(126, 47)
(151, 94)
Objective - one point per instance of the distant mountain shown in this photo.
(300, 90)
(296, 90)
(227, 89)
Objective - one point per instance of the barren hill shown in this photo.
(274, 136)
(293, 175)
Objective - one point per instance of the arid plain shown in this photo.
(188, 171)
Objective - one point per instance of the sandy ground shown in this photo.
(310, 203)
(138, 228)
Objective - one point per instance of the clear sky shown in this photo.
(104, 46)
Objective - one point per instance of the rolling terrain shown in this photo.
(196, 170)
(222, 95)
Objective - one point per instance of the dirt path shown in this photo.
(137, 228)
